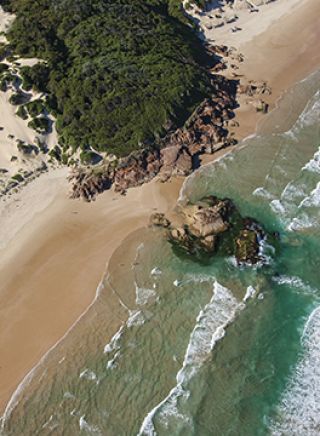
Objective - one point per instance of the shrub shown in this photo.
(17, 98)
(35, 108)
(116, 72)
(41, 125)
(88, 157)
(18, 178)
(22, 113)
(3, 68)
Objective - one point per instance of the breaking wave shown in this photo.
(299, 411)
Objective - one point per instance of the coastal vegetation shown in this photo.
(118, 74)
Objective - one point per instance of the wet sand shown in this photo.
(50, 270)
(54, 251)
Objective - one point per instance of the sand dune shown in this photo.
(12, 127)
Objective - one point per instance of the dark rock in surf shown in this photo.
(214, 226)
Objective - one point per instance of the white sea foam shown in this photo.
(50, 424)
(303, 219)
(311, 113)
(266, 252)
(114, 343)
(293, 191)
(232, 260)
(277, 207)
(89, 429)
(314, 164)
(136, 318)
(198, 278)
(193, 278)
(308, 117)
(112, 363)
(250, 293)
(156, 272)
(209, 328)
(144, 295)
(294, 282)
(88, 374)
(262, 192)
(303, 222)
(312, 200)
(299, 410)
(68, 395)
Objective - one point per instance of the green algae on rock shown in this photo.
(214, 226)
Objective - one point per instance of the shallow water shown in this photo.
(175, 347)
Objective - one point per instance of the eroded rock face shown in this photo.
(214, 226)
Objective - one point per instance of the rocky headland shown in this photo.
(213, 226)
(205, 132)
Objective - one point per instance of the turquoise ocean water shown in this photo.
(203, 349)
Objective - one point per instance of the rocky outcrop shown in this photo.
(86, 184)
(253, 88)
(205, 132)
(159, 220)
(138, 168)
(213, 226)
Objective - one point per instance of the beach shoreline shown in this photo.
(55, 251)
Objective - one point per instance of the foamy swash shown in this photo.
(209, 328)
(299, 410)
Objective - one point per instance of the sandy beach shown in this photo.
(54, 251)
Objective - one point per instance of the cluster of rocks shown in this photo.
(255, 91)
(205, 132)
(136, 169)
(225, 54)
(213, 226)
(87, 183)
(253, 88)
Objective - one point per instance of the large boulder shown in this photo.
(211, 226)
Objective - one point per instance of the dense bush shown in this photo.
(35, 77)
(118, 72)
(35, 108)
(22, 113)
(17, 98)
(40, 125)
(3, 67)
(89, 157)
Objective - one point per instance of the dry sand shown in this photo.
(54, 251)
(285, 54)
(280, 44)
(251, 24)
